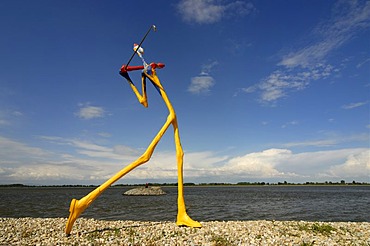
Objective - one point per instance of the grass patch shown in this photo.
(220, 241)
(132, 234)
(307, 244)
(324, 229)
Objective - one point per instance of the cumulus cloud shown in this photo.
(78, 161)
(278, 164)
(40, 172)
(257, 165)
(357, 164)
(86, 162)
(212, 11)
(203, 82)
(88, 112)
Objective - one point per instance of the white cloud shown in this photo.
(307, 64)
(4, 122)
(90, 163)
(89, 146)
(93, 150)
(12, 150)
(17, 113)
(357, 164)
(105, 134)
(318, 164)
(40, 172)
(238, 47)
(291, 123)
(363, 62)
(278, 84)
(354, 105)
(257, 165)
(284, 164)
(316, 143)
(203, 82)
(8, 117)
(207, 68)
(329, 142)
(211, 11)
(88, 112)
(78, 161)
(349, 17)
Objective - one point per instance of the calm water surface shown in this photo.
(311, 203)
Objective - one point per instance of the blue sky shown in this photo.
(264, 90)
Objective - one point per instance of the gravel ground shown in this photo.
(45, 231)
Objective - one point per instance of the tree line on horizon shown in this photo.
(342, 182)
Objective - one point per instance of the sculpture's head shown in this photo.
(139, 50)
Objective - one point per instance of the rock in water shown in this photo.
(142, 191)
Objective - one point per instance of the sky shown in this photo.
(264, 91)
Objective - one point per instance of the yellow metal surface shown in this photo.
(183, 219)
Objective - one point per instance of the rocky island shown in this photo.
(145, 191)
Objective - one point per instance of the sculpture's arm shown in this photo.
(143, 99)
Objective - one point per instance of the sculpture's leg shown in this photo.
(183, 218)
(78, 206)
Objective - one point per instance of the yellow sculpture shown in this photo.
(149, 71)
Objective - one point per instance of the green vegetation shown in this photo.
(342, 182)
(284, 183)
(219, 240)
(308, 244)
(323, 228)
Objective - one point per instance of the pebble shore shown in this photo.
(50, 231)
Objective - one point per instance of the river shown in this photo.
(222, 203)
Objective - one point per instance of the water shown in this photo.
(223, 203)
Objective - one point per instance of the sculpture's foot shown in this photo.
(75, 209)
(184, 220)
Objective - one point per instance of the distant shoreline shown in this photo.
(199, 185)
